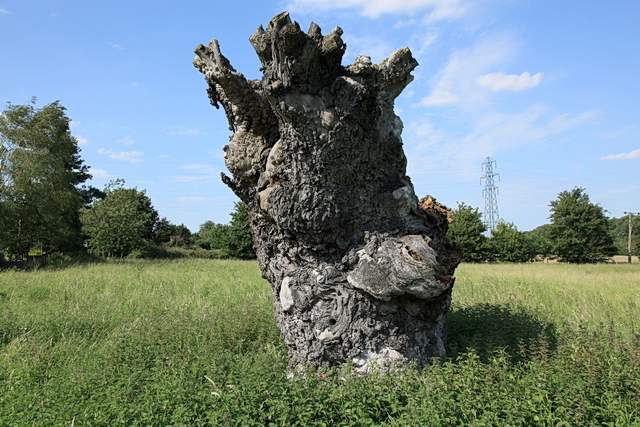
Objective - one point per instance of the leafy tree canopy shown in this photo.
(468, 230)
(539, 240)
(579, 229)
(120, 223)
(41, 179)
(166, 233)
(231, 240)
(510, 245)
(619, 228)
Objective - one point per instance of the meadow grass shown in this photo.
(193, 342)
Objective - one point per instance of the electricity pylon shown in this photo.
(490, 194)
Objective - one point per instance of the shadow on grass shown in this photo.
(487, 328)
(54, 261)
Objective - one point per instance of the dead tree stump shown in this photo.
(361, 271)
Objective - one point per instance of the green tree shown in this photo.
(468, 229)
(579, 229)
(231, 240)
(41, 180)
(619, 228)
(539, 240)
(239, 243)
(120, 223)
(166, 233)
(510, 245)
(211, 235)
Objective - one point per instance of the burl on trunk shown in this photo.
(361, 271)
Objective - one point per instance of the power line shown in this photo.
(490, 191)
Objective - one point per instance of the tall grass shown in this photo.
(193, 342)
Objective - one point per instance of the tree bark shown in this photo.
(361, 271)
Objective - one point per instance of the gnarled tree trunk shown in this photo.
(361, 271)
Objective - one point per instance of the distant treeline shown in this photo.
(47, 208)
(579, 232)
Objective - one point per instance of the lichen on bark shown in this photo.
(361, 270)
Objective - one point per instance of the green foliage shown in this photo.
(239, 243)
(579, 229)
(211, 235)
(168, 234)
(120, 223)
(41, 177)
(194, 342)
(539, 240)
(468, 230)
(510, 245)
(231, 240)
(619, 228)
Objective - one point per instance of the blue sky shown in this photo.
(549, 89)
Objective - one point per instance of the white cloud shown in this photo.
(5, 12)
(439, 9)
(507, 130)
(440, 97)
(128, 156)
(514, 82)
(100, 173)
(455, 83)
(116, 46)
(635, 154)
(567, 121)
(422, 42)
(198, 172)
(185, 178)
(126, 141)
(181, 130)
(81, 140)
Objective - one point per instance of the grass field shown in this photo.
(193, 342)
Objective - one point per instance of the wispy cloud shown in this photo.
(5, 12)
(181, 130)
(75, 125)
(125, 141)
(635, 154)
(116, 46)
(486, 134)
(81, 140)
(197, 172)
(128, 156)
(436, 9)
(514, 82)
(510, 130)
(100, 173)
(185, 178)
(456, 81)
